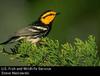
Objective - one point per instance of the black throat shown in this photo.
(48, 26)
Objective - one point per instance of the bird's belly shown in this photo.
(33, 41)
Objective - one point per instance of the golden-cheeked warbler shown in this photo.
(36, 30)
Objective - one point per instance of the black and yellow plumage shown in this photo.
(36, 30)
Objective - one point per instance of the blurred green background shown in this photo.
(78, 18)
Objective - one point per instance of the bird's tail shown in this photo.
(10, 40)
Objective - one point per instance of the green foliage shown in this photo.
(82, 53)
(41, 54)
(51, 53)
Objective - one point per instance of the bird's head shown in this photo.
(48, 17)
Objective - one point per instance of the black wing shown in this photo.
(34, 31)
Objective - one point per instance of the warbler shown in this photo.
(36, 30)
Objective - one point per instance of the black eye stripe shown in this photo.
(48, 15)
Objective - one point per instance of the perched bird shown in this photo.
(36, 30)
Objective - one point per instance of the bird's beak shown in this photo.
(57, 13)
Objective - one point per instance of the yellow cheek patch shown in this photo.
(48, 19)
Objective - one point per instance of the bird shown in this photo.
(36, 30)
